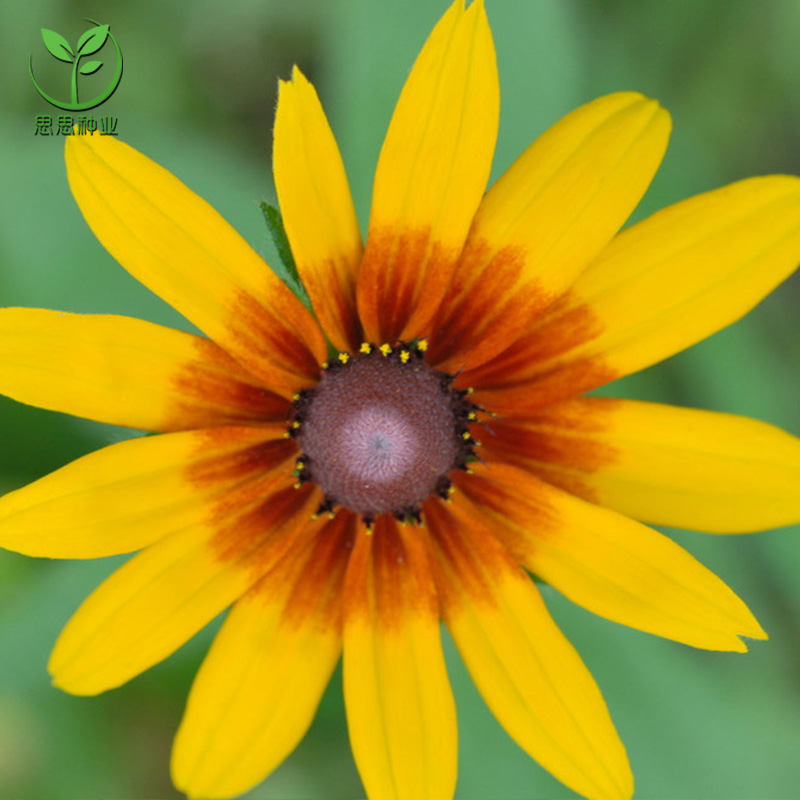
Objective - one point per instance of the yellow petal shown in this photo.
(659, 287)
(125, 372)
(177, 245)
(128, 495)
(529, 675)
(261, 683)
(165, 594)
(431, 173)
(670, 466)
(545, 220)
(400, 709)
(317, 209)
(610, 564)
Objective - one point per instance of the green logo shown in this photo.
(88, 44)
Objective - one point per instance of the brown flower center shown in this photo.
(381, 432)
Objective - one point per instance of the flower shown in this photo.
(347, 502)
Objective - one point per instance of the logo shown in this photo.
(88, 44)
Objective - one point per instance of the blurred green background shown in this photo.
(198, 95)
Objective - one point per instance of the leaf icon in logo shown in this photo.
(90, 66)
(91, 41)
(57, 46)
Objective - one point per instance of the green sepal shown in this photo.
(287, 271)
(279, 238)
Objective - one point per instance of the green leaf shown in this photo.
(91, 41)
(57, 46)
(90, 66)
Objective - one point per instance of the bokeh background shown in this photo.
(198, 95)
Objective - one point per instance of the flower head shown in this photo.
(346, 478)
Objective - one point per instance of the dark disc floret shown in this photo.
(382, 431)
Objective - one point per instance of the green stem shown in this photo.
(75, 81)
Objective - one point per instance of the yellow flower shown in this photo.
(349, 508)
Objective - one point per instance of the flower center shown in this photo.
(381, 432)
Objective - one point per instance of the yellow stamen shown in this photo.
(405, 356)
(385, 349)
(344, 357)
(422, 345)
(365, 348)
